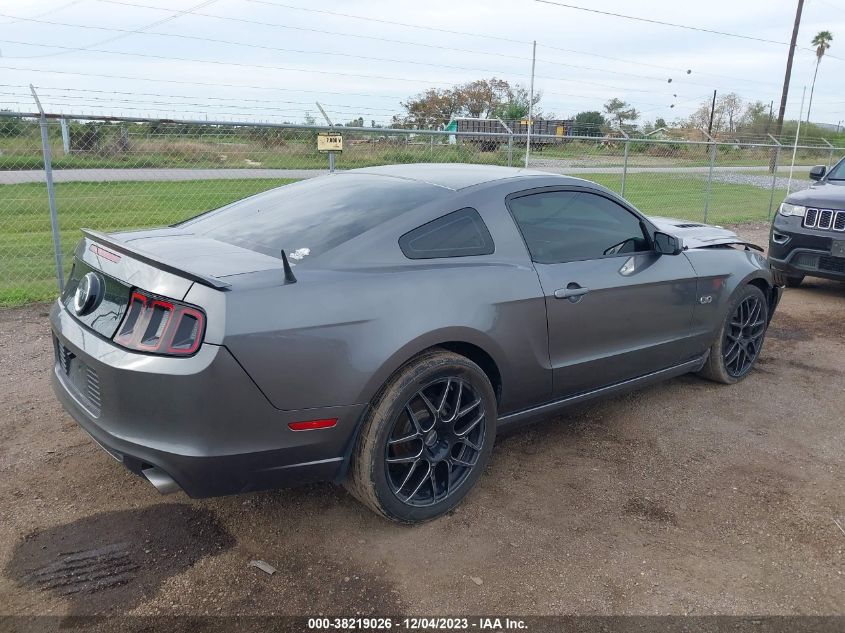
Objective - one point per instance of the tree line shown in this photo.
(497, 98)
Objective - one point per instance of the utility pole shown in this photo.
(785, 93)
(712, 112)
(530, 103)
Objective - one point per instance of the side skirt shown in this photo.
(527, 415)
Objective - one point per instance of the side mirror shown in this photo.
(818, 172)
(666, 244)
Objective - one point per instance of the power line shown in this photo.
(321, 31)
(134, 31)
(43, 13)
(507, 39)
(669, 68)
(301, 70)
(660, 22)
(611, 87)
(198, 83)
(221, 63)
(569, 80)
(181, 36)
(391, 22)
(172, 96)
(829, 4)
(434, 46)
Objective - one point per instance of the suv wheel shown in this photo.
(782, 279)
(738, 344)
(427, 439)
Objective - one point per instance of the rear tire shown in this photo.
(782, 279)
(427, 439)
(740, 339)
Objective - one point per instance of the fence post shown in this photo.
(830, 156)
(774, 176)
(65, 137)
(510, 142)
(329, 121)
(709, 175)
(51, 194)
(625, 162)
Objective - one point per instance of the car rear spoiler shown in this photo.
(152, 260)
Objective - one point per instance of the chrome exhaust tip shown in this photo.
(163, 482)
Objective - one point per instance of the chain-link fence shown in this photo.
(110, 174)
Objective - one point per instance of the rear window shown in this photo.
(313, 216)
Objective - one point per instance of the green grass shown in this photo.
(683, 196)
(26, 251)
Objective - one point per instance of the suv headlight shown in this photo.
(792, 209)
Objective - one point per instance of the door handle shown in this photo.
(573, 292)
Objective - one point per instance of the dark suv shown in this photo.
(808, 232)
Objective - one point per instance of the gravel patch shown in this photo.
(763, 181)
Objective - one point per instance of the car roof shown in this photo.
(452, 176)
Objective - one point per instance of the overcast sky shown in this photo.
(280, 56)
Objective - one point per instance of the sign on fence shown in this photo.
(329, 142)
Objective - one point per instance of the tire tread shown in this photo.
(360, 481)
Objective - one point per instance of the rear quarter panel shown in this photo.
(359, 313)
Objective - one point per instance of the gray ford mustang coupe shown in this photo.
(378, 326)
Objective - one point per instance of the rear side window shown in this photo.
(457, 234)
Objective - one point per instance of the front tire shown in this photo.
(737, 346)
(426, 440)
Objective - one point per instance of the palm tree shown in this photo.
(822, 42)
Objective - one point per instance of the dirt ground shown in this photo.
(684, 498)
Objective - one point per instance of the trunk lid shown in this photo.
(165, 262)
(184, 252)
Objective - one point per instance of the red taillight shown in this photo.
(313, 424)
(160, 326)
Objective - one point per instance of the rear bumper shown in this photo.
(201, 421)
(797, 251)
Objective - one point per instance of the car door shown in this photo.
(616, 309)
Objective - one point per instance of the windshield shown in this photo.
(313, 216)
(838, 171)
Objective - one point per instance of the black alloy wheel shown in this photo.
(744, 336)
(426, 439)
(435, 442)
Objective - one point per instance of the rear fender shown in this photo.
(428, 341)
